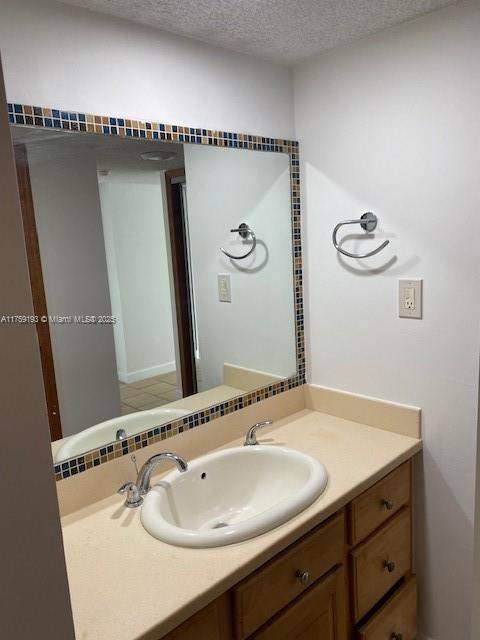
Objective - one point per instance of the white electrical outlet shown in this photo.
(410, 298)
(224, 288)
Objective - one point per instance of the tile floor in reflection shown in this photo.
(149, 393)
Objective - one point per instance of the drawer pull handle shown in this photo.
(387, 504)
(396, 636)
(303, 576)
(389, 566)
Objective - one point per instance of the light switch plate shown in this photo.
(224, 287)
(410, 298)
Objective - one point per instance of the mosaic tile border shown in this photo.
(78, 122)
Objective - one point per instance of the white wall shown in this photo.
(57, 55)
(256, 330)
(69, 225)
(391, 124)
(133, 222)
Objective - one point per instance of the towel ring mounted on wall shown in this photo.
(244, 232)
(368, 222)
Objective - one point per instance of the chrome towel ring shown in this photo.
(244, 232)
(368, 222)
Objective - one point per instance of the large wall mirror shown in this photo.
(162, 276)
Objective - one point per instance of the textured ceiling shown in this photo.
(284, 31)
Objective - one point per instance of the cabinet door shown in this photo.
(319, 614)
(211, 623)
(274, 586)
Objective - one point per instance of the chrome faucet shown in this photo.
(145, 473)
(251, 438)
(136, 490)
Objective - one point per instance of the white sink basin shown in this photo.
(232, 495)
(104, 433)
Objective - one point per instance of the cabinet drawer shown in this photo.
(319, 614)
(396, 619)
(276, 584)
(377, 504)
(379, 562)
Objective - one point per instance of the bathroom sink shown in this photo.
(104, 432)
(232, 495)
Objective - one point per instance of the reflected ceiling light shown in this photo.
(159, 156)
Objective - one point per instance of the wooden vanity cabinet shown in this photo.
(213, 622)
(349, 578)
(300, 593)
(287, 576)
(382, 589)
(396, 619)
(374, 507)
(319, 614)
(379, 562)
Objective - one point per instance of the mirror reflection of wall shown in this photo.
(226, 187)
(138, 275)
(131, 230)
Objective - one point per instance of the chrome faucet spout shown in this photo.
(145, 473)
(251, 438)
(136, 490)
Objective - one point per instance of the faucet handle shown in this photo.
(133, 499)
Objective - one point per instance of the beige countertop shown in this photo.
(126, 585)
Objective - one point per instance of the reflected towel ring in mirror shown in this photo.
(368, 222)
(244, 232)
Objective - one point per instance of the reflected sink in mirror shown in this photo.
(103, 432)
(232, 495)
